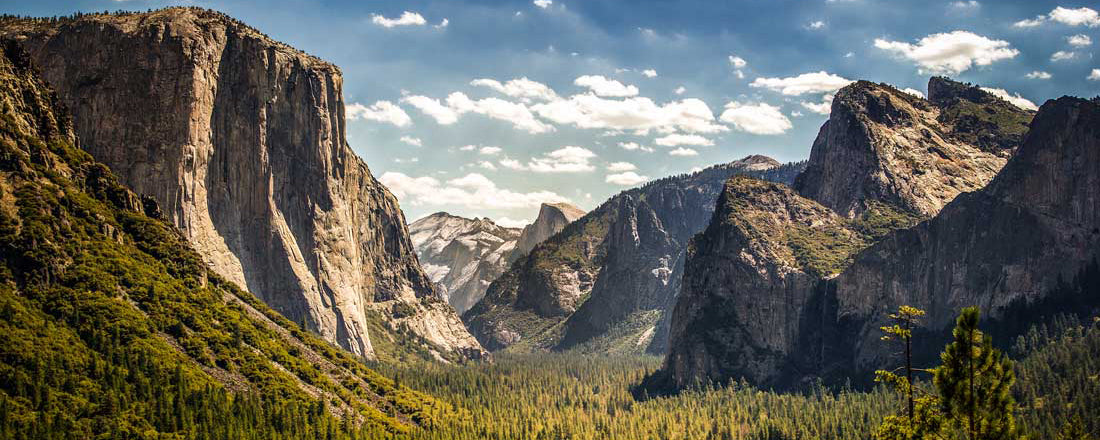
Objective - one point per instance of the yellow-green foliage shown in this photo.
(571, 396)
(113, 327)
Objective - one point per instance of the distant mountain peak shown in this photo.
(552, 218)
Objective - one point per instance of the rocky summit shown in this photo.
(783, 288)
(606, 282)
(552, 218)
(882, 144)
(241, 140)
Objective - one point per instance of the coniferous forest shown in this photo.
(117, 321)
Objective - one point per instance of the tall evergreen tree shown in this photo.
(905, 320)
(975, 383)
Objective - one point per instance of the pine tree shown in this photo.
(905, 320)
(975, 383)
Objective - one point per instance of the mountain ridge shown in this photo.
(833, 319)
(603, 284)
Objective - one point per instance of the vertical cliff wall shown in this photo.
(782, 284)
(242, 141)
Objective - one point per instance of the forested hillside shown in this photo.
(114, 328)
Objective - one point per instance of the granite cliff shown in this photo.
(885, 145)
(765, 284)
(606, 282)
(241, 140)
(552, 218)
(110, 312)
(1012, 243)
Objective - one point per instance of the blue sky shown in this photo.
(487, 108)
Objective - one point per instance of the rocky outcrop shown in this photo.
(607, 281)
(552, 218)
(1037, 222)
(117, 300)
(882, 144)
(241, 140)
(462, 256)
(747, 311)
(749, 277)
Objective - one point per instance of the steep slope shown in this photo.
(884, 161)
(886, 145)
(1036, 225)
(114, 328)
(552, 218)
(607, 281)
(749, 277)
(241, 141)
(462, 256)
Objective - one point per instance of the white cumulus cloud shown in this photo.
(407, 18)
(634, 146)
(621, 166)
(412, 141)
(1063, 55)
(950, 53)
(1038, 74)
(543, 3)
(966, 5)
(813, 82)
(628, 178)
(762, 118)
(381, 111)
(522, 88)
(569, 159)
(1014, 99)
(1072, 17)
(1094, 75)
(496, 108)
(474, 191)
(636, 113)
(677, 139)
(649, 73)
(432, 107)
(1079, 40)
(489, 151)
(683, 152)
(822, 108)
(603, 86)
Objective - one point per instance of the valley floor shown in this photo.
(569, 396)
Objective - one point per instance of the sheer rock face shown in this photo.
(746, 311)
(886, 145)
(746, 287)
(552, 218)
(462, 256)
(607, 282)
(241, 140)
(760, 300)
(1038, 220)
